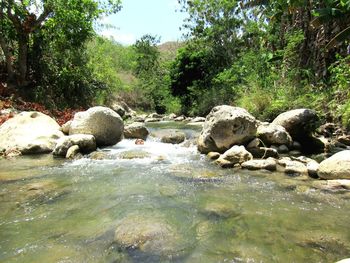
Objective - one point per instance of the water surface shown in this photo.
(187, 209)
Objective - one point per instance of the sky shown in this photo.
(140, 17)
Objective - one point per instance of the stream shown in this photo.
(163, 203)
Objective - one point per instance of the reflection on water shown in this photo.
(163, 203)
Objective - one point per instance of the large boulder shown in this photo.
(335, 167)
(299, 123)
(235, 155)
(224, 127)
(86, 143)
(29, 132)
(271, 134)
(136, 130)
(103, 123)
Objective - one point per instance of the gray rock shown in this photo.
(255, 143)
(103, 123)
(213, 155)
(263, 152)
(235, 155)
(344, 139)
(86, 143)
(274, 134)
(296, 146)
(311, 165)
(198, 119)
(336, 167)
(224, 127)
(293, 168)
(65, 127)
(283, 149)
(268, 164)
(299, 123)
(180, 118)
(147, 234)
(72, 152)
(175, 137)
(29, 133)
(118, 109)
(155, 116)
(152, 119)
(136, 130)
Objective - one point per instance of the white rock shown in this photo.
(224, 127)
(29, 132)
(103, 123)
(336, 167)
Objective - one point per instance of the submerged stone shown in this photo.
(148, 234)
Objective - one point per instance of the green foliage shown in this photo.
(45, 50)
(340, 81)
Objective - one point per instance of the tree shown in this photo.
(20, 21)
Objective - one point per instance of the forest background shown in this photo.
(265, 56)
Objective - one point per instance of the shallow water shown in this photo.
(53, 210)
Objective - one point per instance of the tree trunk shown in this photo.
(8, 57)
(23, 40)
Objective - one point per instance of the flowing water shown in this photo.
(163, 203)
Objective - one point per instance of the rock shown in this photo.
(118, 109)
(336, 167)
(172, 116)
(235, 155)
(29, 132)
(198, 119)
(224, 127)
(213, 155)
(268, 164)
(72, 152)
(263, 152)
(299, 123)
(327, 129)
(346, 260)
(103, 123)
(293, 168)
(133, 154)
(152, 120)
(85, 142)
(332, 185)
(123, 110)
(311, 165)
(180, 118)
(274, 134)
(296, 146)
(136, 130)
(254, 143)
(147, 234)
(344, 139)
(140, 118)
(295, 153)
(155, 116)
(65, 127)
(282, 149)
(175, 137)
(220, 209)
(98, 155)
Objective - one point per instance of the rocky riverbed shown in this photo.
(164, 201)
